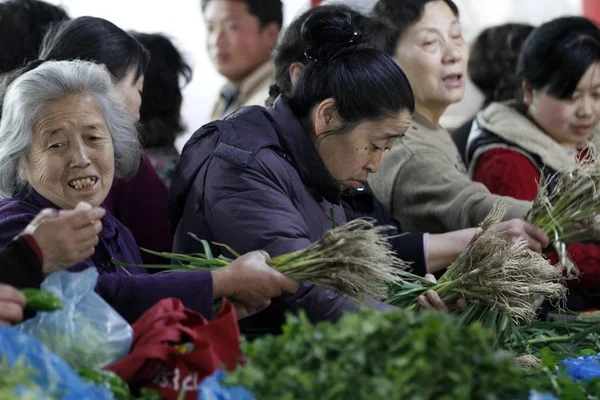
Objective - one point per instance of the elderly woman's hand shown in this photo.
(11, 305)
(432, 301)
(251, 282)
(516, 229)
(66, 237)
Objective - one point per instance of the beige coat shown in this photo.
(254, 90)
(424, 183)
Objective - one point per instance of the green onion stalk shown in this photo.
(566, 338)
(567, 212)
(502, 282)
(356, 259)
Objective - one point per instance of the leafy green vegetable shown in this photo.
(86, 349)
(19, 376)
(387, 355)
(41, 300)
(108, 379)
(116, 385)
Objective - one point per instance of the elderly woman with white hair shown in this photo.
(64, 137)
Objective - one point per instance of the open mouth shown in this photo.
(453, 78)
(82, 183)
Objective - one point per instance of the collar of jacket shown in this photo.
(109, 226)
(262, 73)
(509, 121)
(302, 153)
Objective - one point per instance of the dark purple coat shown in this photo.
(141, 205)
(255, 181)
(129, 292)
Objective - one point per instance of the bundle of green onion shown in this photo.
(355, 259)
(500, 280)
(567, 212)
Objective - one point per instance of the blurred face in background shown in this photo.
(235, 41)
(434, 56)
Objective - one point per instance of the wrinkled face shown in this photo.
(568, 121)
(130, 90)
(350, 157)
(71, 158)
(235, 41)
(434, 56)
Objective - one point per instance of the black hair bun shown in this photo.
(329, 35)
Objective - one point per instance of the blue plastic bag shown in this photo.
(87, 332)
(211, 389)
(53, 377)
(585, 367)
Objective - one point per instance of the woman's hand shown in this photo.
(66, 237)
(431, 301)
(251, 282)
(515, 229)
(11, 305)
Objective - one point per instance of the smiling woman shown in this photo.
(72, 126)
(549, 127)
(64, 135)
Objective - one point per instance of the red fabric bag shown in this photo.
(175, 348)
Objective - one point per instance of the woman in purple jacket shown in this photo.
(271, 178)
(98, 40)
(64, 136)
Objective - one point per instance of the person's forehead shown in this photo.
(221, 10)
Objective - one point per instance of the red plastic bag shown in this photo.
(175, 348)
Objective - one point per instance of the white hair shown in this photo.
(53, 80)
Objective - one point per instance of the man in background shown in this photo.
(241, 35)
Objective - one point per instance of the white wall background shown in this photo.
(182, 21)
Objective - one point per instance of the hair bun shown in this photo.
(329, 35)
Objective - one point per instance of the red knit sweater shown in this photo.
(507, 172)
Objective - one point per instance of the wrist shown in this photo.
(222, 282)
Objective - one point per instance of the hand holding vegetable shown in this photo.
(67, 236)
(41, 300)
(251, 282)
(515, 229)
(431, 300)
(11, 305)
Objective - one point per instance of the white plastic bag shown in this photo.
(87, 332)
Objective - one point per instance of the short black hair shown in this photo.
(97, 40)
(365, 83)
(493, 61)
(266, 11)
(291, 46)
(399, 15)
(164, 76)
(556, 55)
(23, 24)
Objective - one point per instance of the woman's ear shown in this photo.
(294, 71)
(527, 94)
(326, 118)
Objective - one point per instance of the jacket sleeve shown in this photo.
(132, 295)
(430, 194)
(507, 172)
(20, 265)
(141, 205)
(251, 209)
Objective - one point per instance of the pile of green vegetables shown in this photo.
(394, 355)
